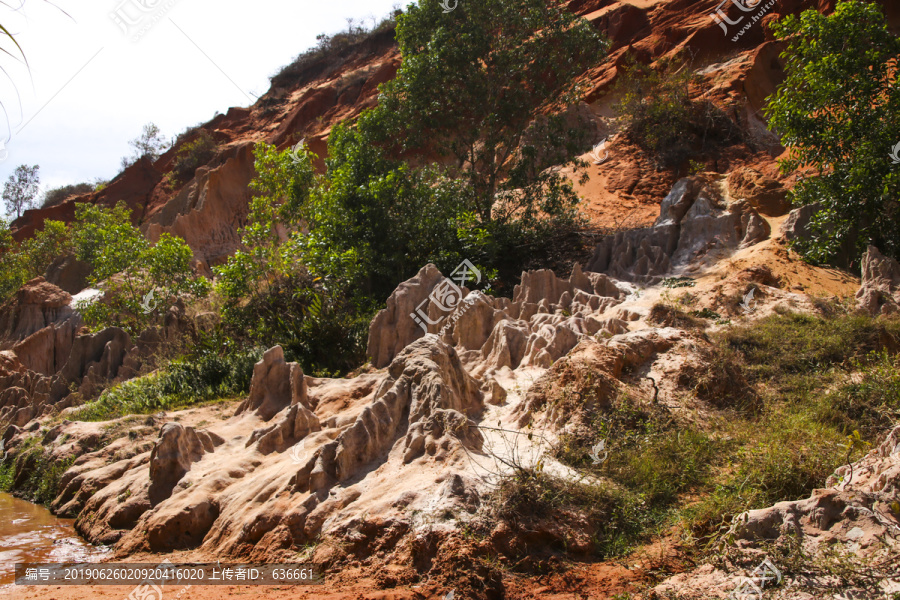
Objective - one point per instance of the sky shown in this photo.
(98, 70)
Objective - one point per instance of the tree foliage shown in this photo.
(139, 279)
(838, 111)
(21, 188)
(151, 143)
(20, 263)
(469, 87)
(662, 118)
(269, 295)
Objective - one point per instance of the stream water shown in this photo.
(29, 533)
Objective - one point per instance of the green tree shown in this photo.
(21, 262)
(21, 188)
(375, 221)
(270, 296)
(838, 111)
(138, 278)
(105, 238)
(151, 143)
(468, 89)
(13, 270)
(45, 246)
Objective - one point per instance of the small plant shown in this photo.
(194, 154)
(678, 282)
(662, 118)
(853, 442)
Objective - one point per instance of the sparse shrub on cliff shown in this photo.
(60, 194)
(194, 154)
(150, 144)
(331, 51)
(838, 110)
(663, 119)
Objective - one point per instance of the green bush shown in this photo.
(178, 384)
(619, 517)
(60, 194)
(662, 119)
(24, 261)
(838, 110)
(138, 278)
(194, 154)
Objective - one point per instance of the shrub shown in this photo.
(194, 154)
(269, 295)
(56, 196)
(616, 517)
(838, 110)
(137, 277)
(22, 262)
(662, 119)
(180, 383)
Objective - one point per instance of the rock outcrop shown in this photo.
(694, 221)
(880, 290)
(546, 318)
(68, 273)
(177, 449)
(37, 304)
(393, 328)
(275, 385)
(764, 194)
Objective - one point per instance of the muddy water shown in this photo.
(29, 533)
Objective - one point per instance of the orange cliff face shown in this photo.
(308, 99)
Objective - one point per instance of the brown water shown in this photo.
(29, 533)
